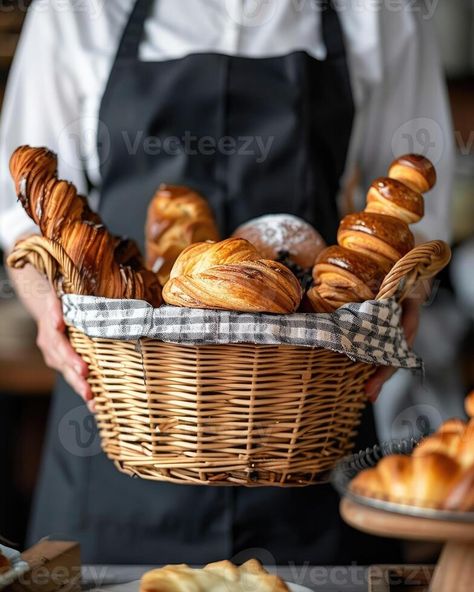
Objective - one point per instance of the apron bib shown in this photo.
(255, 136)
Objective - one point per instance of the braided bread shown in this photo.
(438, 474)
(379, 236)
(231, 275)
(177, 217)
(109, 266)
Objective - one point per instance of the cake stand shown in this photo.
(455, 569)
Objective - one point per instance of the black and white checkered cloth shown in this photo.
(367, 332)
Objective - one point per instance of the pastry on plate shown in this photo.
(438, 474)
(222, 576)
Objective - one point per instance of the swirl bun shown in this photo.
(231, 275)
(345, 276)
(382, 238)
(415, 171)
(393, 198)
(380, 234)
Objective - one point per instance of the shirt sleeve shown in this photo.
(40, 107)
(407, 110)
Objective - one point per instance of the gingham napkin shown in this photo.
(367, 332)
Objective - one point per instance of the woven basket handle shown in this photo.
(51, 260)
(420, 264)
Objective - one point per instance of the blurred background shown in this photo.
(408, 406)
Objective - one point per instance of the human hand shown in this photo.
(58, 352)
(410, 322)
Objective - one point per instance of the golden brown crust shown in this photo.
(415, 171)
(394, 198)
(214, 577)
(342, 276)
(277, 234)
(5, 564)
(177, 217)
(383, 238)
(230, 275)
(438, 474)
(380, 233)
(109, 266)
(469, 404)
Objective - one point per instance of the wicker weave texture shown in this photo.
(232, 414)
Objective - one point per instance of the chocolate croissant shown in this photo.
(231, 275)
(177, 217)
(109, 266)
(438, 474)
(379, 236)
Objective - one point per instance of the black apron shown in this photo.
(255, 136)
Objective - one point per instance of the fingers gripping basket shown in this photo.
(236, 414)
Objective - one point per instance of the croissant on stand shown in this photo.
(438, 474)
(231, 275)
(372, 241)
(109, 266)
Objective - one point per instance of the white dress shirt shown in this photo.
(67, 49)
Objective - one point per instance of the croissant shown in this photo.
(459, 444)
(438, 474)
(176, 218)
(425, 481)
(109, 266)
(214, 577)
(231, 275)
(379, 236)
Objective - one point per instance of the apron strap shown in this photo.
(332, 32)
(130, 42)
(133, 32)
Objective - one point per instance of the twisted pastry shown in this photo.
(379, 236)
(177, 217)
(231, 275)
(109, 266)
(438, 474)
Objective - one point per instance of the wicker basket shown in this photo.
(239, 414)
